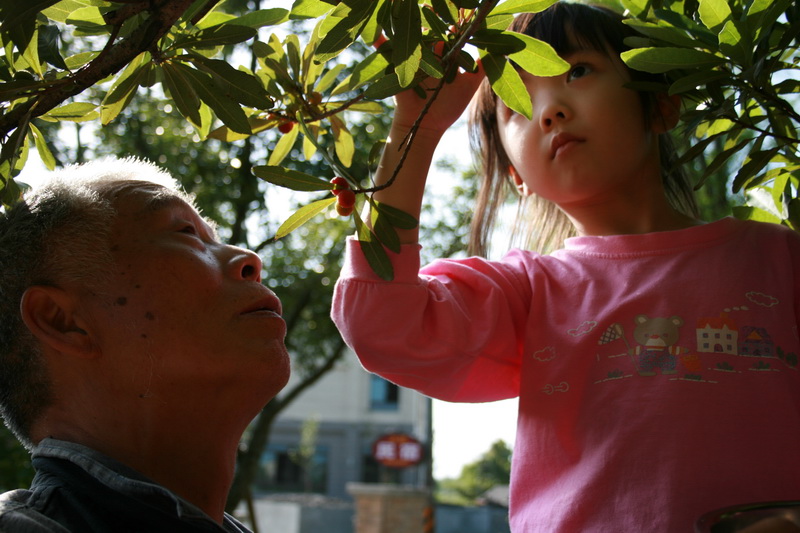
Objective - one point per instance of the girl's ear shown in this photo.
(522, 187)
(50, 315)
(667, 112)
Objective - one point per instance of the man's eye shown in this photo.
(578, 71)
(189, 229)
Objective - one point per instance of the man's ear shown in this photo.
(50, 315)
(667, 112)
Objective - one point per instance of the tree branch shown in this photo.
(164, 13)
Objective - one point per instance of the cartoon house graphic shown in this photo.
(756, 342)
(717, 335)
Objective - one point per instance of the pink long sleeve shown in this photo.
(457, 338)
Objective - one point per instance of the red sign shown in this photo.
(397, 450)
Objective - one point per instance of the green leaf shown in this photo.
(446, 11)
(384, 231)
(60, 10)
(373, 250)
(262, 17)
(714, 13)
(385, 87)
(538, 58)
(124, 88)
(407, 42)
(214, 36)
(309, 141)
(292, 44)
(355, 15)
(305, 9)
(343, 141)
(396, 217)
(498, 41)
(89, 18)
(722, 157)
(49, 36)
(507, 84)
(756, 162)
(291, 179)
(499, 22)
(367, 71)
(431, 64)
(180, 88)
(227, 110)
(637, 8)
(19, 19)
(697, 79)
(437, 25)
(283, 147)
(303, 215)
(663, 59)
(325, 81)
(238, 85)
(732, 43)
(669, 34)
(363, 107)
(754, 213)
(72, 112)
(76, 61)
(224, 133)
(522, 6)
(31, 55)
(41, 146)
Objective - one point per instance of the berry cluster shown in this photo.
(345, 197)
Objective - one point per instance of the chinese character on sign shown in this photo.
(397, 450)
(385, 451)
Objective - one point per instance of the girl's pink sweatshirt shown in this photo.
(657, 374)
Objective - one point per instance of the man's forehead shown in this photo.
(134, 197)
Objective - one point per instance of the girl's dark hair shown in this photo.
(542, 226)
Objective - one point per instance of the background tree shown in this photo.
(491, 469)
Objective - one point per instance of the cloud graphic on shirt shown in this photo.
(764, 300)
(545, 354)
(583, 329)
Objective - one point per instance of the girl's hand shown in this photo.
(449, 105)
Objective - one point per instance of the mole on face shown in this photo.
(149, 316)
(122, 300)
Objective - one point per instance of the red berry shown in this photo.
(339, 184)
(344, 211)
(285, 127)
(346, 198)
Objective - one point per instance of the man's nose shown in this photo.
(245, 264)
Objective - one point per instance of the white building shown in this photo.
(353, 409)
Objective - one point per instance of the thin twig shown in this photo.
(448, 60)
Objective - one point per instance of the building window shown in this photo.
(383, 396)
(280, 471)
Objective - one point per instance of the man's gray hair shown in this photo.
(56, 234)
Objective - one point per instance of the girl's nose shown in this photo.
(245, 265)
(552, 114)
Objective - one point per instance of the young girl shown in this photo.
(655, 357)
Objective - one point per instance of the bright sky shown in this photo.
(464, 432)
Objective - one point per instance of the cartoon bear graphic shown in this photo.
(657, 351)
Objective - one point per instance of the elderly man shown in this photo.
(135, 349)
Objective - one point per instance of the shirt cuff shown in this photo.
(405, 264)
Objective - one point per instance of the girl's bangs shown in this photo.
(572, 27)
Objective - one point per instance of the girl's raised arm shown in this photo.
(407, 190)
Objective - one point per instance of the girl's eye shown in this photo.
(578, 71)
